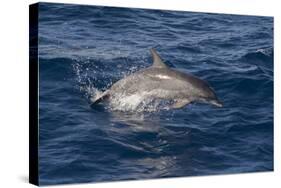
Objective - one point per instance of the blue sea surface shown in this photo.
(85, 49)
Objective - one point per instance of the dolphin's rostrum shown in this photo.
(162, 83)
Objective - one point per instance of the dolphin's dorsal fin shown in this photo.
(157, 61)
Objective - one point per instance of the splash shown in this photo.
(139, 102)
(87, 83)
(93, 77)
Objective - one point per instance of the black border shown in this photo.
(33, 94)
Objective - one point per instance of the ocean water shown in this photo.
(83, 50)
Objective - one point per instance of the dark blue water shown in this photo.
(84, 49)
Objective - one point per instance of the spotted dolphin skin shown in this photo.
(160, 82)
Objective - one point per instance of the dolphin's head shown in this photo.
(215, 102)
(208, 95)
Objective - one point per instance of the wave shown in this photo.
(262, 54)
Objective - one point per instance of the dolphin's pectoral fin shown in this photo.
(180, 103)
(99, 98)
(157, 61)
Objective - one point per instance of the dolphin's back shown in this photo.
(166, 83)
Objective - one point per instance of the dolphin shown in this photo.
(160, 82)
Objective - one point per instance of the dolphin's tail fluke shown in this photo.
(99, 97)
